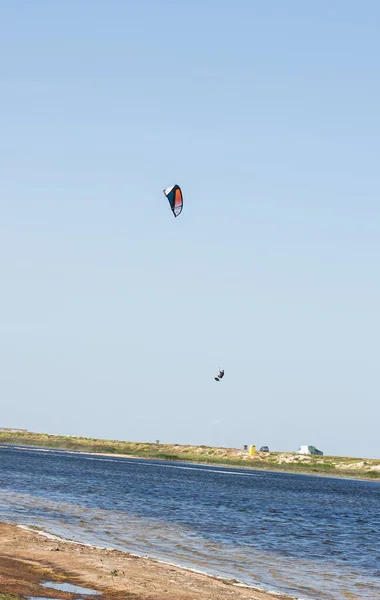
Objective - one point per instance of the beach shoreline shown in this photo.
(249, 467)
(341, 467)
(30, 557)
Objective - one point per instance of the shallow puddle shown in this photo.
(69, 587)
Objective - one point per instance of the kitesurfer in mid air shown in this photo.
(220, 376)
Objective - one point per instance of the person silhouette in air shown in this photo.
(220, 376)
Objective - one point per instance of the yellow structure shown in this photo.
(252, 450)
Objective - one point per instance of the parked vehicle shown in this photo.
(309, 450)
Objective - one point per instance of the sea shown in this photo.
(313, 538)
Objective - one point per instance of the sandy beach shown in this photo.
(28, 558)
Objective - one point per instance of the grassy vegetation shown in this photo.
(273, 461)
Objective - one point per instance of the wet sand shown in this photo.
(27, 559)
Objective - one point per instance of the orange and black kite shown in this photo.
(175, 198)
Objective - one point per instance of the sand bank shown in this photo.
(27, 559)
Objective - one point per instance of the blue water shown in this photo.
(311, 537)
(69, 587)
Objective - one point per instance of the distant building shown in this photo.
(309, 450)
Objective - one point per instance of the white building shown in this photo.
(309, 450)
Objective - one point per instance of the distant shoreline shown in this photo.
(231, 466)
(279, 462)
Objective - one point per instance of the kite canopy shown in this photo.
(175, 198)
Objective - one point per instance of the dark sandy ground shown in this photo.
(28, 559)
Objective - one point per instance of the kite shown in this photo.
(175, 198)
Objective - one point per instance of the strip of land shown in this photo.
(30, 558)
(290, 462)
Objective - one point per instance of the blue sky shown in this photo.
(115, 315)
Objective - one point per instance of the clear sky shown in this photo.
(115, 316)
